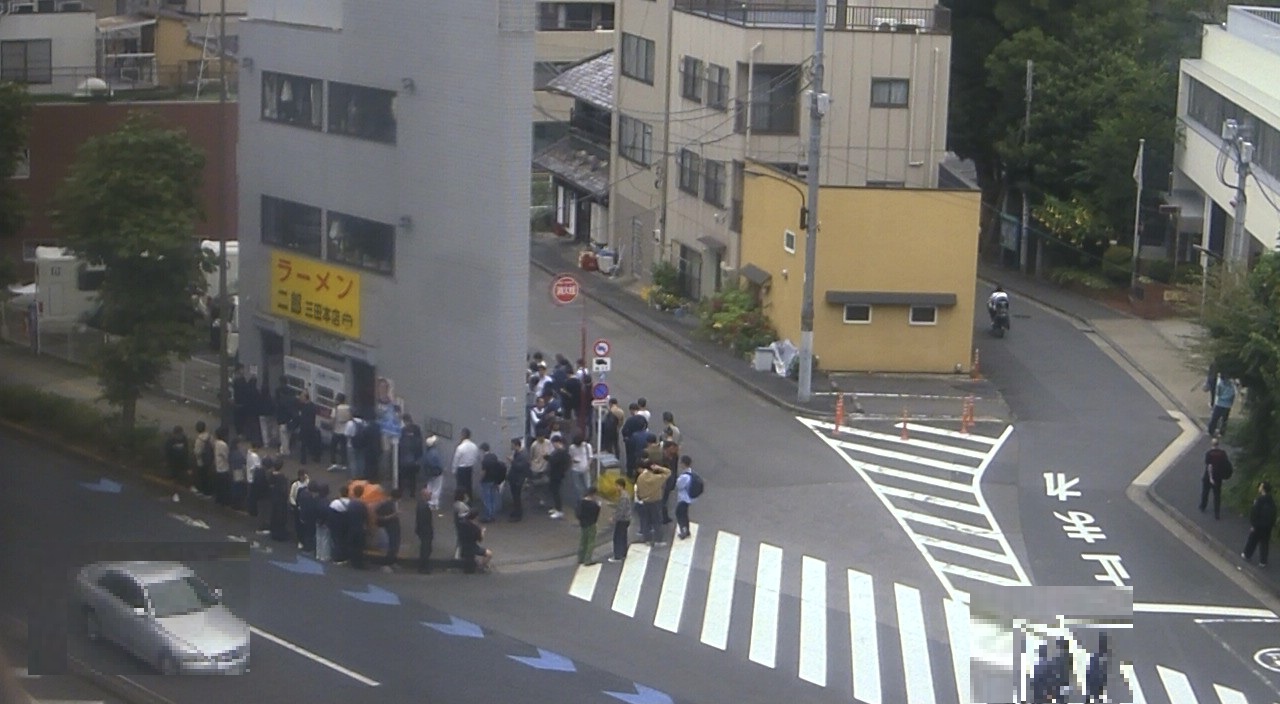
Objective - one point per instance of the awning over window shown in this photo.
(712, 243)
(890, 298)
(755, 274)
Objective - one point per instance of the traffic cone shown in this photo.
(835, 432)
(966, 415)
(905, 435)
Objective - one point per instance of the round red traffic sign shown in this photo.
(564, 289)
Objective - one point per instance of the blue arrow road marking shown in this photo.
(643, 695)
(301, 565)
(457, 627)
(375, 595)
(547, 660)
(103, 485)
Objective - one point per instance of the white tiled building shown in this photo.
(49, 46)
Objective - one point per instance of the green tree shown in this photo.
(130, 203)
(15, 109)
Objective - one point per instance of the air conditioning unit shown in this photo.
(885, 24)
(22, 8)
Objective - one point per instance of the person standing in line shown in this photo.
(203, 484)
(177, 453)
(355, 436)
(1217, 469)
(633, 435)
(266, 411)
(299, 485)
(222, 467)
(474, 555)
(643, 405)
(433, 470)
(588, 517)
(670, 460)
(338, 439)
(1262, 519)
(388, 518)
(337, 521)
(252, 467)
(279, 503)
(493, 472)
(558, 463)
(465, 458)
(622, 509)
(308, 506)
(412, 448)
(1224, 397)
(669, 428)
(308, 432)
(648, 502)
(425, 528)
(259, 488)
(518, 473)
(324, 537)
(539, 450)
(357, 527)
(239, 460)
(1095, 680)
(580, 468)
(286, 412)
(683, 497)
(1063, 677)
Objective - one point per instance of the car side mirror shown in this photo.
(217, 595)
(139, 611)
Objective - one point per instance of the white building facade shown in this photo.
(383, 203)
(704, 85)
(51, 47)
(1236, 77)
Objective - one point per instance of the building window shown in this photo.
(773, 100)
(361, 243)
(718, 87)
(690, 171)
(637, 58)
(713, 182)
(1210, 109)
(789, 241)
(924, 315)
(890, 92)
(635, 140)
(857, 313)
(574, 16)
(27, 61)
(293, 100)
(291, 225)
(691, 78)
(367, 113)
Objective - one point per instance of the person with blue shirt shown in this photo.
(1224, 397)
(683, 499)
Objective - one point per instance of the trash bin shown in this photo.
(763, 360)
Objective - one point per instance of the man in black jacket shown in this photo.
(425, 530)
(493, 472)
(558, 463)
(1217, 469)
(519, 470)
(1262, 519)
(633, 437)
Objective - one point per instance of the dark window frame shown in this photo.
(26, 73)
(715, 181)
(933, 318)
(885, 93)
(308, 113)
(848, 320)
(692, 78)
(690, 165)
(629, 130)
(362, 112)
(637, 49)
(718, 78)
(276, 212)
(775, 100)
(363, 252)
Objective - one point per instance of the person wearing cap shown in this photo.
(649, 502)
(433, 471)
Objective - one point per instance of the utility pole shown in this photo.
(664, 189)
(1023, 240)
(1237, 134)
(224, 360)
(818, 103)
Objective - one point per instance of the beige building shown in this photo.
(728, 79)
(894, 278)
(568, 32)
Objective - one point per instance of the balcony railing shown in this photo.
(840, 15)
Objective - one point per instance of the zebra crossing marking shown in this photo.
(943, 432)
(584, 582)
(957, 526)
(1176, 684)
(724, 565)
(931, 499)
(958, 635)
(978, 575)
(896, 473)
(1130, 678)
(674, 583)
(915, 645)
(864, 637)
(627, 595)
(907, 457)
(1226, 695)
(764, 611)
(971, 551)
(911, 442)
(813, 620)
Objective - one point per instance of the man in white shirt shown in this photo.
(338, 437)
(465, 458)
(581, 455)
(300, 484)
(643, 403)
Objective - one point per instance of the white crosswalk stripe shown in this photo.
(894, 630)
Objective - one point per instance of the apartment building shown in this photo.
(568, 32)
(704, 85)
(384, 200)
(1237, 77)
(49, 45)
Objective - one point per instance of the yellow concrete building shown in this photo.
(895, 275)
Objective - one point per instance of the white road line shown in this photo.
(1177, 685)
(764, 613)
(724, 565)
(1131, 679)
(979, 575)
(864, 637)
(312, 656)
(982, 501)
(957, 526)
(915, 645)
(813, 620)
(958, 634)
(897, 439)
(971, 437)
(627, 594)
(928, 499)
(1200, 609)
(1226, 695)
(969, 550)
(675, 582)
(906, 457)
(584, 582)
(964, 487)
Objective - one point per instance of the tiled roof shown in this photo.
(590, 81)
(578, 161)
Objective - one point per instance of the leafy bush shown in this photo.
(664, 300)
(1067, 276)
(76, 422)
(1117, 264)
(733, 318)
(666, 277)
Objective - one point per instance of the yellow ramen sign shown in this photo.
(315, 293)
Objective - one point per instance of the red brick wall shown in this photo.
(58, 130)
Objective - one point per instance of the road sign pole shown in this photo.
(600, 411)
(582, 403)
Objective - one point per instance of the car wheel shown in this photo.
(168, 665)
(92, 627)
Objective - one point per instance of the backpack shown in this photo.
(696, 485)
(1227, 469)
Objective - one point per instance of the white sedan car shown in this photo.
(164, 614)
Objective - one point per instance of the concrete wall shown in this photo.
(883, 240)
(448, 327)
(72, 35)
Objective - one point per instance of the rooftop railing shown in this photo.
(840, 15)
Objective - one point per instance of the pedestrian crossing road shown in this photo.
(839, 628)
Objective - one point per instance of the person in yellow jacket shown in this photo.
(649, 502)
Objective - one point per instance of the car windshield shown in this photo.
(176, 597)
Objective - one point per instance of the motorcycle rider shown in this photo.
(998, 300)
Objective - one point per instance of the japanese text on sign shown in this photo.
(317, 294)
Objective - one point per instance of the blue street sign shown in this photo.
(600, 391)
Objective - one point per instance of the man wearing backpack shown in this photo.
(1217, 469)
(412, 447)
(688, 488)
